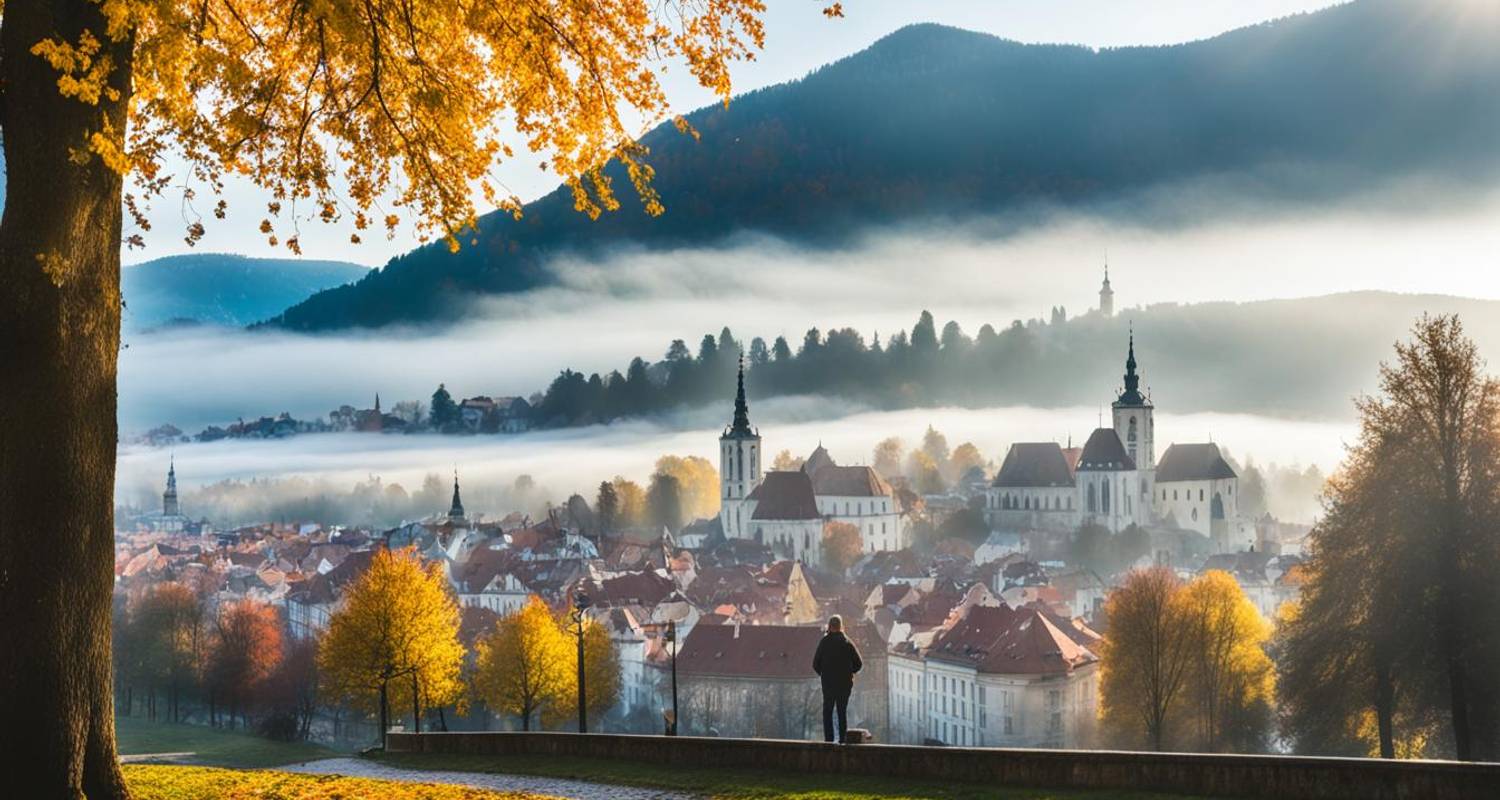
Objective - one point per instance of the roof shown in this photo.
(818, 460)
(1193, 462)
(836, 481)
(1104, 451)
(749, 651)
(760, 651)
(785, 495)
(1034, 464)
(1000, 640)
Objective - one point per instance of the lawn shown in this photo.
(211, 746)
(722, 784)
(163, 782)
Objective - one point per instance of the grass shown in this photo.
(162, 782)
(722, 784)
(212, 746)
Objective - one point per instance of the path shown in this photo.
(557, 787)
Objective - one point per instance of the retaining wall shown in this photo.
(1185, 773)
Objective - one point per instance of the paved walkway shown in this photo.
(557, 787)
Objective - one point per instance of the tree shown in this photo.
(1145, 658)
(607, 508)
(632, 502)
(965, 457)
(935, 447)
(664, 502)
(924, 473)
(246, 648)
(967, 524)
(290, 696)
(1230, 677)
(395, 639)
(786, 462)
(601, 666)
(444, 415)
(525, 664)
(888, 457)
(410, 410)
(698, 482)
(337, 105)
(842, 546)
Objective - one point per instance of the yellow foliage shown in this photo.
(344, 104)
(698, 482)
(398, 620)
(526, 665)
(632, 500)
(162, 782)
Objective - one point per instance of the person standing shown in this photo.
(836, 661)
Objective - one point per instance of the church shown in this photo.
(1115, 480)
(787, 509)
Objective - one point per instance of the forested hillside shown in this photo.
(934, 121)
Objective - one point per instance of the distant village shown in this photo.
(988, 640)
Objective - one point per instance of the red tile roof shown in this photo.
(1003, 641)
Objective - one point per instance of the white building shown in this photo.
(787, 510)
(1000, 677)
(1200, 491)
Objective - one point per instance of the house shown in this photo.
(998, 677)
(757, 681)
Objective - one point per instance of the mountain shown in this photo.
(223, 289)
(938, 122)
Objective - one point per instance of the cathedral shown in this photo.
(1115, 480)
(787, 509)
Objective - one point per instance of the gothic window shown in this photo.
(1218, 507)
(1195, 514)
(1200, 495)
(1091, 502)
(1104, 498)
(1130, 436)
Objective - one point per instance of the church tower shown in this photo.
(456, 510)
(1132, 412)
(1106, 295)
(739, 464)
(169, 507)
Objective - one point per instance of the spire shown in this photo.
(1132, 395)
(456, 511)
(169, 506)
(377, 402)
(741, 425)
(1106, 294)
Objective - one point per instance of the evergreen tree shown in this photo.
(443, 412)
(607, 508)
(664, 502)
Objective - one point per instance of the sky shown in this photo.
(798, 39)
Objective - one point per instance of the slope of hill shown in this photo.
(934, 121)
(223, 289)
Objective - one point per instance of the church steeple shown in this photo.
(1132, 395)
(169, 505)
(1106, 294)
(456, 511)
(740, 427)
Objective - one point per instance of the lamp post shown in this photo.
(581, 604)
(672, 640)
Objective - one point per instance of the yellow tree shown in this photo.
(394, 639)
(359, 111)
(842, 546)
(1144, 659)
(1230, 677)
(632, 501)
(786, 462)
(697, 481)
(965, 457)
(601, 666)
(525, 665)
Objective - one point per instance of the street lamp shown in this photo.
(672, 640)
(581, 604)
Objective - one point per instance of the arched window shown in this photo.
(1091, 503)
(1104, 499)
(1130, 433)
(1217, 509)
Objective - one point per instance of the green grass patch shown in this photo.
(166, 782)
(723, 784)
(212, 746)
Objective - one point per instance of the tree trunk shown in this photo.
(1385, 705)
(384, 711)
(60, 324)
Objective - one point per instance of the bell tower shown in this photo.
(1106, 295)
(1132, 413)
(739, 463)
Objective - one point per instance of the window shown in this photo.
(1200, 495)
(1105, 503)
(1010, 726)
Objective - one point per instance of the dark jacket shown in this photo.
(836, 661)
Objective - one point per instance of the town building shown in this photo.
(786, 510)
(999, 677)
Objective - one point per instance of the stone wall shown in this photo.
(1197, 774)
